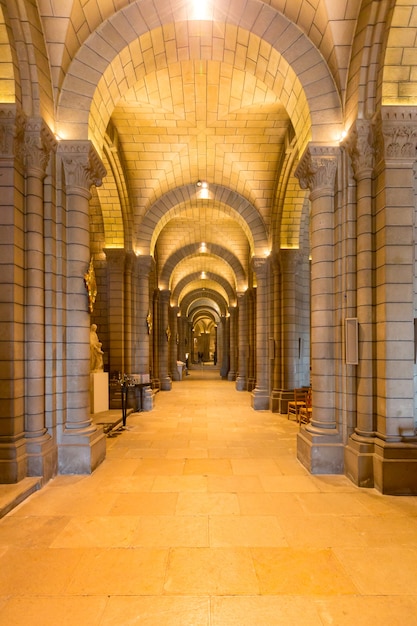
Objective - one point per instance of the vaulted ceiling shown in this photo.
(199, 110)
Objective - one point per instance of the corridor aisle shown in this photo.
(201, 515)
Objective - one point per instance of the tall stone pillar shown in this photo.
(319, 445)
(41, 452)
(260, 395)
(165, 336)
(129, 298)
(144, 318)
(116, 258)
(395, 458)
(225, 363)
(360, 448)
(13, 460)
(143, 323)
(173, 344)
(233, 342)
(81, 446)
(243, 342)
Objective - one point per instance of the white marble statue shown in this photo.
(96, 353)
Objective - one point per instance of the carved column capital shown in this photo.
(317, 169)
(38, 144)
(144, 264)
(12, 130)
(361, 147)
(116, 257)
(260, 265)
(397, 134)
(82, 165)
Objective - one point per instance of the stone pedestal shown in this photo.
(99, 392)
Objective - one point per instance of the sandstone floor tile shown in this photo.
(322, 531)
(207, 504)
(98, 531)
(208, 467)
(332, 504)
(50, 611)
(383, 570)
(234, 484)
(288, 484)
(249, 530)
(294, 570)
(264, 611)
(281, 505)
(173, 483)
(144, 504)
(210, 571)
(119, 571)
(364, 610)
(171, 531)
(36, 571)
(255, 467)
(30, 531)
(160, 467)
(156, 611)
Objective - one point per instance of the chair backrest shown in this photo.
(300, 394)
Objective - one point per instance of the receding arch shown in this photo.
(86, 105)
(229, 201)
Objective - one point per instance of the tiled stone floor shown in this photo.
(202, 516)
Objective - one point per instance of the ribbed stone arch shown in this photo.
(204, 304)
(211, 277)
(10, 84)
(32, 89)
(193, 250)
(230, 202)
(111, 60)
(190, 298)
(202, 314)
(114, 198)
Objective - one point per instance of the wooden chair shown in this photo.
(295, 405)
(307, 410)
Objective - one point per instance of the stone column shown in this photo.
(224, 368)
(243, 340)
(41, 453)
(116, 258)
(319, 447)
(143, 323)
(395, 459)
(129, 306)
(81, 446)
(260, 395)
(156, 339)
(233, 342)
(173, 346)
(13, 460)
(358, 454)
(165, 336)
(144, 319)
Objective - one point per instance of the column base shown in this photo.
(81, 453)
(279, 400)
(320, 453)
(231, 376)
(260, 400)
(147, 399)
(13, 461)
(359, 462)
(166, 384)
(241, 384)
(395, 468)
(42, 457)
